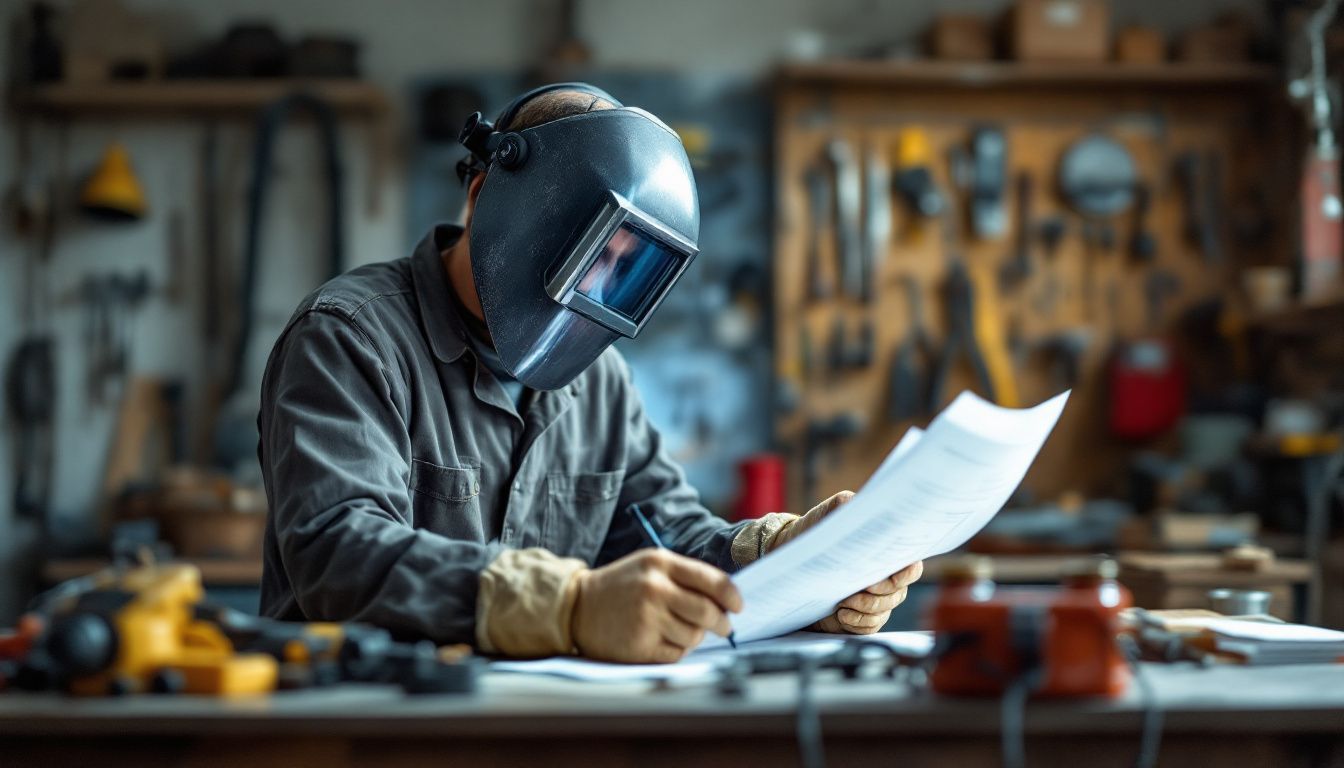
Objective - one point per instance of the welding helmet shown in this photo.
(580, 229)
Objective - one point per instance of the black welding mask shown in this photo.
(581, 227)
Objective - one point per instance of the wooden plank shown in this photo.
(216, 97)
(1208, 568)
(218, 573)
(1012, 569)
(998, 74)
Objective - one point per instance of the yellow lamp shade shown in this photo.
(112, 191)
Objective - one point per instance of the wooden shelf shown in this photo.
(1300, 317)
(195, 97)
(1009, 74)
(216, 573)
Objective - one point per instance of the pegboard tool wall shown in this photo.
(1247, 125)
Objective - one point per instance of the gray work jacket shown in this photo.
(397, 467)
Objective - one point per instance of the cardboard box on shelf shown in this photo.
(1140, 45)
(961, 37)
(1060, 30)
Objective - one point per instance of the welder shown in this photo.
(450, 443)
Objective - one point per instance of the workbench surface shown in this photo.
(1272, 712)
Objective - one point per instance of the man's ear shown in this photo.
(474, 188)
(473, 191)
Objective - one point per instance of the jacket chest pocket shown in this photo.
(447, 500)
(578, 512)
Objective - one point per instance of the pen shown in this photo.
(652, 539)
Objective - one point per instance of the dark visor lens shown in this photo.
(631, 273)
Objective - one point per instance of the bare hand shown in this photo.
(651, 606)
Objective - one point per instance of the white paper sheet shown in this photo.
(930, 495)
(703, 664)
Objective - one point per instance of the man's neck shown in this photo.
(456, 261)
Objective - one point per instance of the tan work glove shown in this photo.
(651, 606)
(862, 613)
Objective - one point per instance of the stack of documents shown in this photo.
(1262, 643)
(933, 492)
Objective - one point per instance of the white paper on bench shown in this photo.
(702, 664)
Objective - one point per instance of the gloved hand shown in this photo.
(862, 613)
(651, 606)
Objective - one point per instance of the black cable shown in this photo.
(811, 750)
(268, 128)
(1012, 716)
(1150, 738)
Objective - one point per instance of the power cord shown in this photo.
(1012, 716)
(1150, 739)
(811, 750)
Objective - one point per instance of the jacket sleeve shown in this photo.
(335, 456)
(655, 482)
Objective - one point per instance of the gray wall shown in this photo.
(402, 39)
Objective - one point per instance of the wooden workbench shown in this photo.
(1221, 716)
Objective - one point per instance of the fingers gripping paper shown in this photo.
(934, 491)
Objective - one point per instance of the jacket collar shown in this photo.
(433, 291)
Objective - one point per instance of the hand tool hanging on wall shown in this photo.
(1158, 287)
(908, 397)
(1142, 242)
(1018, 266)
(877, 218)
(1066, 350)
(30, 373)
(1200, 177)
(1097, 178)
(109, 303)
(236, 442)
(913, 179)
(824, 435)
(1050, 231)
(30, 394)
(960, 301)
(988, 177)
(819, 281)
(989, 322)
(848, 216)
(845, 353)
